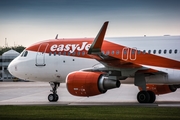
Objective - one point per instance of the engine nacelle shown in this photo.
(82, 83)
(160, 89)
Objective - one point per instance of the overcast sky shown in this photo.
(24, 22)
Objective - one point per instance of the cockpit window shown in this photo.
(24, 54)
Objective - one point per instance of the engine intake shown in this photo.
(82, 83)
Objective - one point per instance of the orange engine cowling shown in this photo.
(82, 83)
(160, 89)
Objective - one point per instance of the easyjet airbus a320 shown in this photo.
(91, 66)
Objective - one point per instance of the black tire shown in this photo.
(143, 97)
(152, 96)
(51, 97)
(56, 98)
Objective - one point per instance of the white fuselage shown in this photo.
(57, 67)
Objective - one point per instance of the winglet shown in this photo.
(97, 43)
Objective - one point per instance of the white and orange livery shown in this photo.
(91, 66)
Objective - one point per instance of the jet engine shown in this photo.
(160, 89)
(82, 83)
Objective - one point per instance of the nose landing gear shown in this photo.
(53, 97)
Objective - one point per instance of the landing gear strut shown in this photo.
(53, 97)
(146, 97)
(143, 96)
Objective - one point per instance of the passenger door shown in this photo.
(40, 56)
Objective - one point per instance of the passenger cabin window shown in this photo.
(159, 51)
(74, 53)
(125, 52)
(165, 51)
(107, 52)
(133, 52)
(117, 52)
(154, 51)
(50, 53)
(144, 51)
(149, 51)
(175, 51)
(170, 51)
(83, 53)
(139, 52)
(59, 53)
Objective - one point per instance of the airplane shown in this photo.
(91, 66)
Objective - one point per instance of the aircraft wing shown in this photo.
(113, 62)
(110, 61)
(106, 60)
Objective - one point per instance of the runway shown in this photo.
(35, 93)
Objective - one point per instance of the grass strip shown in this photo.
(88, 112)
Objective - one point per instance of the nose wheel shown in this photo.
(53, 97)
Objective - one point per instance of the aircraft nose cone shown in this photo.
(12, 68)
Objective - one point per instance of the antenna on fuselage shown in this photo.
(56, 36)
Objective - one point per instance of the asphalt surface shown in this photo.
(36, 93)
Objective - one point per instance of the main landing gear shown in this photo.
(53, 97)
(143, 96)
(146, 97)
